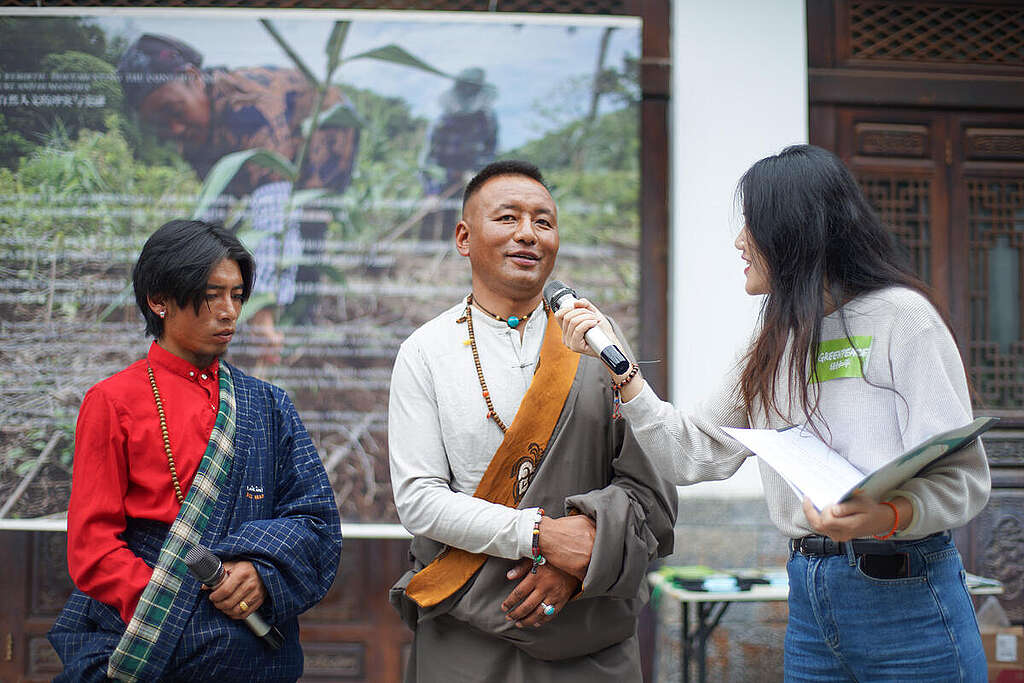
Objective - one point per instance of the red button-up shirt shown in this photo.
(121, 471)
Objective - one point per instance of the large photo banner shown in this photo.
(336, 145)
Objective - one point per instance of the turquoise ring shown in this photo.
(548, 609)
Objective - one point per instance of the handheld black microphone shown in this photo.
(555, 294)
(207, 569)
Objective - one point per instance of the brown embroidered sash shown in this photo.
(526, 438)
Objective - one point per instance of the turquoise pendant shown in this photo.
(513, 322)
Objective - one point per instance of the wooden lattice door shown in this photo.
(925, 102)
(987, 173)
(951, 187)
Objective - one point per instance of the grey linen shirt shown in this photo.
(917, 388)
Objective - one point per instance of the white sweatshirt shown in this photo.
(919, 390)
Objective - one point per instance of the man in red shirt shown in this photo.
(181, 449)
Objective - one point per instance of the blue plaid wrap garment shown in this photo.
(292, 535)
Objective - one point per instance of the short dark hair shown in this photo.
(176, 262)
(497, 168)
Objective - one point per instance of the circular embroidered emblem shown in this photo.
(523, 470)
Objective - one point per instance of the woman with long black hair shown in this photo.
(850, 345)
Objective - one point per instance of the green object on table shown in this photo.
(687, 577)
(690, 571)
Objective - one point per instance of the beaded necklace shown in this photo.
(167, 440)
(512, 321)
(467, 318)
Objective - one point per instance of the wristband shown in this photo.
(617, 388)
(895, 524)
(538, 559)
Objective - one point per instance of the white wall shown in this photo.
(739, 93)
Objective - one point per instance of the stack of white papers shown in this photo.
(816, 471)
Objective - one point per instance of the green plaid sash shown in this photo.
(146, 627)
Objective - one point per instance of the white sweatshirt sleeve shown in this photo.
(690, 448)
(928, 375)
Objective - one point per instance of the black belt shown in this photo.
(823, 545)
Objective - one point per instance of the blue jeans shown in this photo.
(845, 625)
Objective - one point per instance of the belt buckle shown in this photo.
(815, 545)
(810, 545)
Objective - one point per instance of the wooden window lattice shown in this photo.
(950, 33)
(995, 219)
(903, 205)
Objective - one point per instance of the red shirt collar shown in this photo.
(158, 355)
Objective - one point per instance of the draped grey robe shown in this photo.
(593, 465)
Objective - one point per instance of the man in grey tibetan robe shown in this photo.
(534, 512)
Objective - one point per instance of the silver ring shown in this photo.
(547, 609)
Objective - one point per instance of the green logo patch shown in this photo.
(839, 358)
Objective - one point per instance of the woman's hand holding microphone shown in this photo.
(576, 320)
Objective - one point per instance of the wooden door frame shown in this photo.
(655, 83)
(960, 170)
(14, 650)
(949, 90)
(932, 85)
(953, 95)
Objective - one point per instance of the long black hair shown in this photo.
(176, 262)
(822, 245)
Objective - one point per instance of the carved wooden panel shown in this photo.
(998, 540)
(13, 579)
(995, 223)
(1005, 448)
(334, 662)
(903, 203)
(994, 144)
(891, 140)
(42, 659)
(51, 584)
(342, 604)
(898, 159)
(957, 33)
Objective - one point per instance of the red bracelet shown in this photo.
(895, 524)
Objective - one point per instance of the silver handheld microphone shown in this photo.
(556, 294)
(208, 569)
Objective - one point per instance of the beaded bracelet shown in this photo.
(895, 524)
(538, 559)
(617, 388)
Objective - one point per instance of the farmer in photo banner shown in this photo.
(213, 112)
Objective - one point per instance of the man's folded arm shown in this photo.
(297, 551)
(635, 516)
